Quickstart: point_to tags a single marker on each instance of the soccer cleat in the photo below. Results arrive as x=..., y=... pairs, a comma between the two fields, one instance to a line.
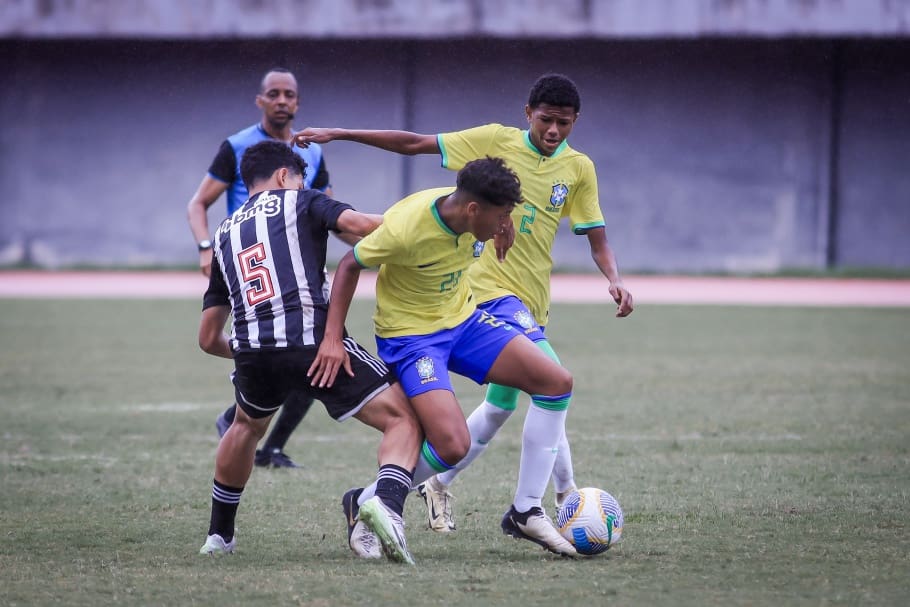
x=536, y=526
x=439, y=505
x=221, y=424
x=273, y=458
x=362, y=541
x=215, y=545
x=388, y=527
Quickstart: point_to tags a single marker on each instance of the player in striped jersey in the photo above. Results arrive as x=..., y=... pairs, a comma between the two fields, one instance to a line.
x=279, y=99
x=557, y=181
x=427, y=324
x=269, y=277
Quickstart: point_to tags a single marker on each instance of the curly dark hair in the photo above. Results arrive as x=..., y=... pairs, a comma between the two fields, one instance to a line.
x=556, y=90
x=491, y=180
x=264, y=158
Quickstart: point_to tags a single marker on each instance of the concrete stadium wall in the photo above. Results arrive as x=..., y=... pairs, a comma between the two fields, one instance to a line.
x=452, y=18
x=712, y=155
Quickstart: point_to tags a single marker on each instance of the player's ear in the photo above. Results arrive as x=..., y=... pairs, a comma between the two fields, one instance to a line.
x=528, y=110
x=259, y=101
x=281, y=176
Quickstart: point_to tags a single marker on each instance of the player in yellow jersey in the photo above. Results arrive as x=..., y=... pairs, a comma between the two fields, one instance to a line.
x=557, y=181
x=427, y=324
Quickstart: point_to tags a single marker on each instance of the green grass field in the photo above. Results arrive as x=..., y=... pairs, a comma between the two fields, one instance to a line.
x=761, y=455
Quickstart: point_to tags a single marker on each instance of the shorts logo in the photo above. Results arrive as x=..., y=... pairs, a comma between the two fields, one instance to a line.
x=523, y=318
x=558, y=196
x=478, y=248
x=425, y=370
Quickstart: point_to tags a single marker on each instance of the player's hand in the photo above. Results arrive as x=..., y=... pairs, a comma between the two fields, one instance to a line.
x=313, y=135
x=503, y=241
x=623, y=300
x=205, y=262
x=330, y=357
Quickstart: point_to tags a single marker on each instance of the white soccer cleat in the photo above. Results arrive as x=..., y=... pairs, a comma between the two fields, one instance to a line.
x=388, y=527
x=362, y=541
x=215, y=545
x=536, y=526
x=440, y=517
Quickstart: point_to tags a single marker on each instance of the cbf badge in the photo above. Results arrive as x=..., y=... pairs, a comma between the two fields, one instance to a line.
x=523, y=318
x=478, y=248
x=425, y=370
x=558, y=196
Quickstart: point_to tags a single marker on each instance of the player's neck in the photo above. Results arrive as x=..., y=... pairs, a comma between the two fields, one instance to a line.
x=284, y=133
x=451, y=212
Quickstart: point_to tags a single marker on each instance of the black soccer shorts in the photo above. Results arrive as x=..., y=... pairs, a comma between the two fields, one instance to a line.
x=265, y=378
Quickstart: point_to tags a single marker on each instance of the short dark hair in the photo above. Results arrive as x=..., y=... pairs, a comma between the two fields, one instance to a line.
x=556, y=90
x=261, y=160
x=491, y=180
x=276, y=70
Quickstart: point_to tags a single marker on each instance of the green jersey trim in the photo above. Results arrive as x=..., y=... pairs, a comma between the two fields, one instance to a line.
x=581, y=228
x=442, y=151
x=439, y=220
x=357, y=257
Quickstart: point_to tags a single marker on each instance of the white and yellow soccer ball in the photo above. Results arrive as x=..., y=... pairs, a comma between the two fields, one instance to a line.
x=591, y=520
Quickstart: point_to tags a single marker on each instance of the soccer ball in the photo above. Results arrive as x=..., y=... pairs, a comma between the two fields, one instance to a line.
x=591, y=520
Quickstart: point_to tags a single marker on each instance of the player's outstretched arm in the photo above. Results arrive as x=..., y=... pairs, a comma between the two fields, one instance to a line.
x=212, y=338
x=606, y=263
x=331, y=355
x=402, y=142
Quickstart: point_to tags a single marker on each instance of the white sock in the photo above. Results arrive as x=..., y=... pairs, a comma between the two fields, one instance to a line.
x=540, y=438
x=563, y=473
x=483, y=424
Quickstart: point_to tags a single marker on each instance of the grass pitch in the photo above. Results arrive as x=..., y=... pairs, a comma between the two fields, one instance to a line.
x=761, y=456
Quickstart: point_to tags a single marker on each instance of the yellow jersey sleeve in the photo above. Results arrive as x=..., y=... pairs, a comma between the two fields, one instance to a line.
x=382, y=245
x=583, y=208
x=461, y=147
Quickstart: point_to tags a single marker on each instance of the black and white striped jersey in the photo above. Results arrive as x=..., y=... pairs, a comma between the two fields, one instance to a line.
x=270, y=268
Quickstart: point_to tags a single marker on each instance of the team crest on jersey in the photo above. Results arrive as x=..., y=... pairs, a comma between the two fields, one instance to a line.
x=478, y=248
x=558, y=196
x=426, y=370
x=523, y=318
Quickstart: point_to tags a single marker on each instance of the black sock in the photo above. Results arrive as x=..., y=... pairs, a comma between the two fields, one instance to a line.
x=224, y=509
x=392, y=486
x=292, y=412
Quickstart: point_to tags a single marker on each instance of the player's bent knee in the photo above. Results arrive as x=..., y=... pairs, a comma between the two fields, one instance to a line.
x=452, y=448
x=564, y=381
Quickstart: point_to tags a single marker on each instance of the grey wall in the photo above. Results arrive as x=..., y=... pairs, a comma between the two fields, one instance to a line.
x=447, y=18
x=741, y=155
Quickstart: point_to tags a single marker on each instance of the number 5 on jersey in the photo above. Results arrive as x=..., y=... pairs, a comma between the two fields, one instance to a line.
x=255, y=274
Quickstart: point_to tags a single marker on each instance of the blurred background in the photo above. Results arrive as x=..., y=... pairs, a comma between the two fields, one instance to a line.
x=741, y=136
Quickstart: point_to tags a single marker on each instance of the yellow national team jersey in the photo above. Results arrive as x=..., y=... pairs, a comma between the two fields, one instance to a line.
x=422, y=285
x=561, y=185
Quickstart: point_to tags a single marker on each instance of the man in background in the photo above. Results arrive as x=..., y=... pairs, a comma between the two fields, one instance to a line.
x=278, y=99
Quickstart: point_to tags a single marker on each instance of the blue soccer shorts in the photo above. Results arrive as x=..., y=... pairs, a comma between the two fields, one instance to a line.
x=423, y=362
x=512, y=310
